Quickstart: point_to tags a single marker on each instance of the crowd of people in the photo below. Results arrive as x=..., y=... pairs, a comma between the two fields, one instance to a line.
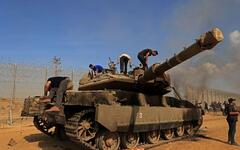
x=215, y=106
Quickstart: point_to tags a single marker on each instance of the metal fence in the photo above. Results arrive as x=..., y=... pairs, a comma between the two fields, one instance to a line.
x=20, y=81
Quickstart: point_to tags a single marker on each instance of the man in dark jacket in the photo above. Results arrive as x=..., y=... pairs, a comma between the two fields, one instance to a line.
x=232, y=118
x=143, y=56
x=57, y=86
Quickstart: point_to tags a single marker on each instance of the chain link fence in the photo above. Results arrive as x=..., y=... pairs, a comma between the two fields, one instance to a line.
x=18, y=81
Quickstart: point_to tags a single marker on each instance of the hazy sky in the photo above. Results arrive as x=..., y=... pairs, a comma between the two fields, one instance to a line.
x=90, y=31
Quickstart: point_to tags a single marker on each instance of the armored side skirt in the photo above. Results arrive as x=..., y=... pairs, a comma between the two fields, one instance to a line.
x=142, y=119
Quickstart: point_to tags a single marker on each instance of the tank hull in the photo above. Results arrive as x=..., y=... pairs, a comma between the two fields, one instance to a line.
x=142, y=119
x=91, y=111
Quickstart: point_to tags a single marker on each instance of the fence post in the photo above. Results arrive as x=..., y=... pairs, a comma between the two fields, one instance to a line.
x=13, y=94
x=46, y=74
x=72, y=74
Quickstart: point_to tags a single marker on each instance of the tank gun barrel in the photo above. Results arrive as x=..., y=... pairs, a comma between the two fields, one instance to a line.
x=206, y=42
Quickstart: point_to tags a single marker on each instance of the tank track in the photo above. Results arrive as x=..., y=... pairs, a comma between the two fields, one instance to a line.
x=71, y=127
x=42, y=125
x=147, y=146
x=162, y=142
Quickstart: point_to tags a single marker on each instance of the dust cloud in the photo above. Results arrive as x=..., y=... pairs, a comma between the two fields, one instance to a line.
x=213, y=73
x=217, y=68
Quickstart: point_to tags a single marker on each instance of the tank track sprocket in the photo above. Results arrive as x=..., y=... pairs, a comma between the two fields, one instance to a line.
x=71, y=127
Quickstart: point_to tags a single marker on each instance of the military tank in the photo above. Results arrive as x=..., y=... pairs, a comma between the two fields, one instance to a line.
x=116, y=111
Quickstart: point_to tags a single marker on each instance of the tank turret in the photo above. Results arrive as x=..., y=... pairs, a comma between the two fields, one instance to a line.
x=154, y=80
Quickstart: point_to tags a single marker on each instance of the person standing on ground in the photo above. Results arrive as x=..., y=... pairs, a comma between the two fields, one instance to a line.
x=143, y=56
x=206, y=106
x=57, y=86
x=124, y=59
x=232, y=118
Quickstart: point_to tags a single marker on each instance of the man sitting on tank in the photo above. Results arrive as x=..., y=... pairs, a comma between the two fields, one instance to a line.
x=57, y=86
x=143, y=56
x=95, y=71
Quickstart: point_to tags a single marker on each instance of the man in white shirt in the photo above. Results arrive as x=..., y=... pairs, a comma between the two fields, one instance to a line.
x=124, y=59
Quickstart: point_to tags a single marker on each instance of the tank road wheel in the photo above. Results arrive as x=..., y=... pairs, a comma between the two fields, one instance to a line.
x=168, y=134
x=189, y=129
x=153, y=137
x=130, y=140
x=179, y=131
x=108, y=140
x=86, y=127
x=82, y=128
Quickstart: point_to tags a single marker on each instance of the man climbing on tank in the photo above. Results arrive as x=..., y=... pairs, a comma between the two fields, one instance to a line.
x=124, y=59
x=57, y=86
x=95, y=70
x=143, y=56
x=232, y=118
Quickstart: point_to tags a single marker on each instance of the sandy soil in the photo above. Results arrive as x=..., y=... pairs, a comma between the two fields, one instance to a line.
x=4, y=109
x=212, y=136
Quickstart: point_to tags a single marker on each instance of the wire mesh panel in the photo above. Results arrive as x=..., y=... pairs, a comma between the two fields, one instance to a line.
x=6, y=80
x=20, y=81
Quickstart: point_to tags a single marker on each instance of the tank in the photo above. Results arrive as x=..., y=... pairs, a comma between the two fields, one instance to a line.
x=116, y=111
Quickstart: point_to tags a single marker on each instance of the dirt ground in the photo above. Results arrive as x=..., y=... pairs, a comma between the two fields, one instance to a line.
x=4, y=108
x=24, y=136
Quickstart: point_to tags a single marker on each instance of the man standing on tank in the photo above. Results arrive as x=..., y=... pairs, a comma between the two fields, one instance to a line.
x=124, y=59
x=57, y=86
x=232, y=118
x=143, y=56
